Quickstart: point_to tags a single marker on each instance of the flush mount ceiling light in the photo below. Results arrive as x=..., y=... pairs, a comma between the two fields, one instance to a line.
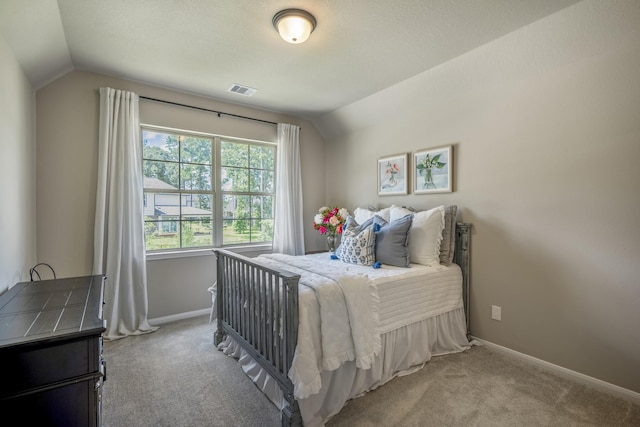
x=294, y=25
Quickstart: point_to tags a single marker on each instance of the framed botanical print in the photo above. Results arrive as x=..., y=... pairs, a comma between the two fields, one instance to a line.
x=393, y=175
x=433, y=170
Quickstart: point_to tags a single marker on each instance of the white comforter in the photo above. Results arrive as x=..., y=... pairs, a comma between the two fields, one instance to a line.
x=338, y=309
x=340, y=316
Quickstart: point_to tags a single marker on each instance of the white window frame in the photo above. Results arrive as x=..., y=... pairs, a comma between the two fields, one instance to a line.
x=216, y=194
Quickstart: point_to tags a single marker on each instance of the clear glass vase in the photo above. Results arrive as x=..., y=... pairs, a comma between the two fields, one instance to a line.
x=332, y=242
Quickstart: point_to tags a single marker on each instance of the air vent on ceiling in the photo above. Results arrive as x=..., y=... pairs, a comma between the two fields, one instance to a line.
x=242, y=90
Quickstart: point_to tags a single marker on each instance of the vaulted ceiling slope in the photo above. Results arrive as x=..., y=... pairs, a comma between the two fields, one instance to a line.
x=203, y=47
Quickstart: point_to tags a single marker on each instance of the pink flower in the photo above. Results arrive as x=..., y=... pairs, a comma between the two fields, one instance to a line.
x=330, y=220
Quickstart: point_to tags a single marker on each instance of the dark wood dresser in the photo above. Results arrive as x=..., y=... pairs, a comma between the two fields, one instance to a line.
x=51, y=352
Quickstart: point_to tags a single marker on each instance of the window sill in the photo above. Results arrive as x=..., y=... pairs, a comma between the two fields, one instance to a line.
x=154, y=256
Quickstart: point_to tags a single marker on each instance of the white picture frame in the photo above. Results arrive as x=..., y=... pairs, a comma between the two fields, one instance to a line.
x=393, y=175
x=433, y=170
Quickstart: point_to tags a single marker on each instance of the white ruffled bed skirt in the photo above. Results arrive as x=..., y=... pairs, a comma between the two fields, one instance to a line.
x=404, y=351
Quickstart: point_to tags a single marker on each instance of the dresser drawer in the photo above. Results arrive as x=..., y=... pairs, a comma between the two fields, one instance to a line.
x=69, y=405
x=43, y=364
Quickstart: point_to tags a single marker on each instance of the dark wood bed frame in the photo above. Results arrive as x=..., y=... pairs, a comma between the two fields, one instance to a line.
x=258, y=307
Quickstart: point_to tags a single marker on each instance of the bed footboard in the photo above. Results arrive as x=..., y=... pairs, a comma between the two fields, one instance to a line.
x=258, y=307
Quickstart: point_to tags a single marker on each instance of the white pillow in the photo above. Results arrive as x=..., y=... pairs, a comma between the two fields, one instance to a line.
x=385, y=214
x=397, y=212
x=425, y=236
x=361, y=215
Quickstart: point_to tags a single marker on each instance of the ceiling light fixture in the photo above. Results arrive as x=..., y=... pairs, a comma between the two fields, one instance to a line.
x=294, y=25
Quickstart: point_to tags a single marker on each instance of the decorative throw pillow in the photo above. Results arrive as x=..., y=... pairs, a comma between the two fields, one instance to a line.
x=448, y=244
x=358, y=247
x=377, y=219
x=392, y=242
x=352, y=224
x=425, y=236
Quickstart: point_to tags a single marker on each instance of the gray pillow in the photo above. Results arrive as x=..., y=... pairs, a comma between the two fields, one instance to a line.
x=448, y=244
x=392, y=242
x=352, y=224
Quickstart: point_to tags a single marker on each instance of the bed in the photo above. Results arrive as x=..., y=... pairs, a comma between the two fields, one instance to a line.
x=316, y=331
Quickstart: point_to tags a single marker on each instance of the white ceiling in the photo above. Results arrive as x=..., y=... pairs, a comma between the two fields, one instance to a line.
x=359, y=47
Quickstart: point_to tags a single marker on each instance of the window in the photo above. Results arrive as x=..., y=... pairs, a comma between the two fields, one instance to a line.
x=205, y=190
x=247, y=184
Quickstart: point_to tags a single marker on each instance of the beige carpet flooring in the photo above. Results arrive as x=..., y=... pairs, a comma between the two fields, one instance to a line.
x=175, y=377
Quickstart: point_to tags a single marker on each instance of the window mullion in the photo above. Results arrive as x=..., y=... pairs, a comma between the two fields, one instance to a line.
x=217, y=192
x=180, y=194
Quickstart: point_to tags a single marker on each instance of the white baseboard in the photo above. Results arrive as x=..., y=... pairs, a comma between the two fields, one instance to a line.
x=595, y=383
x=180, y=316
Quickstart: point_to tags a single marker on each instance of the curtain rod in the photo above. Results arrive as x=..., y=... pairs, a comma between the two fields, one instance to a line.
x=219, y=113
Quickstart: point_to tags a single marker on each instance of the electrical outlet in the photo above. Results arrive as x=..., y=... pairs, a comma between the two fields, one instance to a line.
x=496, y=312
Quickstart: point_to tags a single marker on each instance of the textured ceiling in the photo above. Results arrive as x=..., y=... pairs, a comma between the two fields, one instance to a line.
x=359, y=47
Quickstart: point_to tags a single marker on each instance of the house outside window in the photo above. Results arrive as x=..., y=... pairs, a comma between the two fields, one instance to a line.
x=204, y=191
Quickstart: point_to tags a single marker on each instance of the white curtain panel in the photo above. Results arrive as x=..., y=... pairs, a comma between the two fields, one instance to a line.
x=119, y=251
x=288, y=231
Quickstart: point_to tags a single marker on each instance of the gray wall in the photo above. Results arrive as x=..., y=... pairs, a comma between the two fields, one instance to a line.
x=17, y=172
x=67, y=129
x=546, y=128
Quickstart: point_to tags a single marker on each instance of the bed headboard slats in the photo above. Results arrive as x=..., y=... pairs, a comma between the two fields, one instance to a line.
x=462, y=257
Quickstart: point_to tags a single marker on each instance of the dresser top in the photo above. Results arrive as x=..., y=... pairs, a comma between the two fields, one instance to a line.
x=51, y=309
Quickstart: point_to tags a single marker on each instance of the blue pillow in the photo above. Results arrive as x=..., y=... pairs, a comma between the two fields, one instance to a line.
x=392, y=242
x=352, y=224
